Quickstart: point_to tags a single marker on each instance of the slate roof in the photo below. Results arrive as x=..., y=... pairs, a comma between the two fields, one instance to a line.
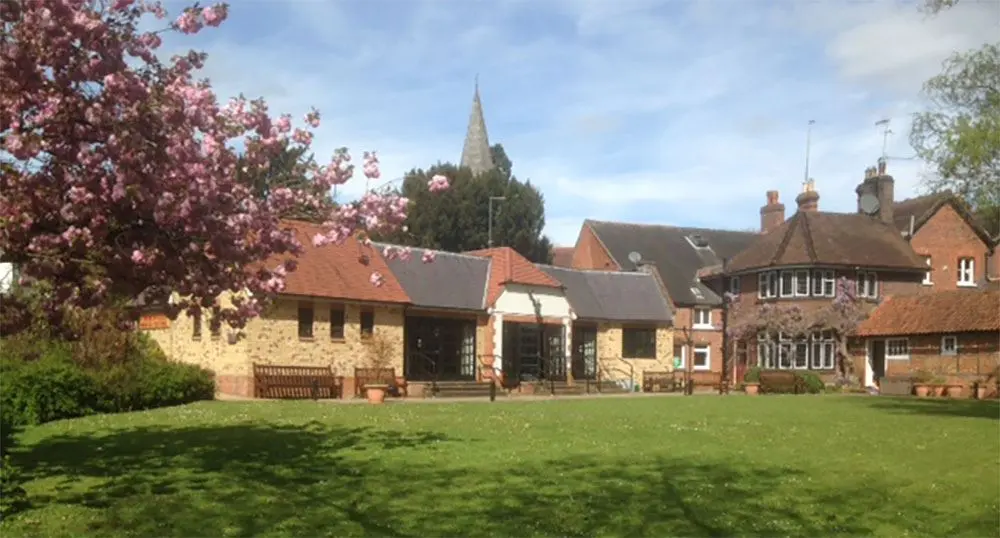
x=612, y=295
x=451, y=281
x=835, y=239
x=674, y=257
x=338, y=271
x=562, y=256
x=509, y=267
x=954, y=311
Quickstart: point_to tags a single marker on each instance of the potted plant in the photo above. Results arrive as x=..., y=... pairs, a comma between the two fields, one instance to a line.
x=921, y=380
x=751, y=381
x=954, y=390
x=936, y=386
x=379, y=352
x=979, y=388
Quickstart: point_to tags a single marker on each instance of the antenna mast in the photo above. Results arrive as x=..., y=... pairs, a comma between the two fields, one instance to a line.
x=886, y=131
x=808, y=145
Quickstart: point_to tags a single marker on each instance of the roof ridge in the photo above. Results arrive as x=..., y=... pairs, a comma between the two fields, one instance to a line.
x=603, y=271
x=669, y=226
x=810, y=245
x=436, y=251
x=779, y=252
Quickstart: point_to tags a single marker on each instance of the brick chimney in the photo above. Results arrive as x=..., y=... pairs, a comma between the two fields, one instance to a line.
x=880, y=184
x=772, y=214
x=808, y=199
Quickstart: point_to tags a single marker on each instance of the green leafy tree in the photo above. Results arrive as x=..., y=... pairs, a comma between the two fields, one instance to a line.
x=960, y=131
x=457, y=220
x=289, y=169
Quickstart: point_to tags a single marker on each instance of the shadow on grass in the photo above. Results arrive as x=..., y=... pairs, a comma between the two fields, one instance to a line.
x=935, y=406
x=318, y=480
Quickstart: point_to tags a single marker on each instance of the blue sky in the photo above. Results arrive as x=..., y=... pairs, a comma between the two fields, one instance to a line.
x=673, y=112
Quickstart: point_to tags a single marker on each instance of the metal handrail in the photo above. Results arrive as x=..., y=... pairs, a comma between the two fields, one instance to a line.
x=603, y=369
x=631, y=370
x=435, y=374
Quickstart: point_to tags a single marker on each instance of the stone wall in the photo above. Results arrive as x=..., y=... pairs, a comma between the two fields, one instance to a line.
x=609, y=350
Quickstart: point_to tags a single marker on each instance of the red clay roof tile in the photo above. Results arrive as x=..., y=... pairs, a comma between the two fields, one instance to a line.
x=953, y=311
x=509, y=267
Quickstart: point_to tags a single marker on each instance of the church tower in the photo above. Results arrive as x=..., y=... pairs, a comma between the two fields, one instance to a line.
x=476, y=151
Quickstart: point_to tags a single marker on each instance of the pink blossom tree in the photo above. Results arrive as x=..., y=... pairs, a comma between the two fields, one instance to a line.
x=120, y=169
x=841, y=315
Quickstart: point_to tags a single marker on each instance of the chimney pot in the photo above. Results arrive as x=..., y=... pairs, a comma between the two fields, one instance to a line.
x=772, y=214
x=808, y=199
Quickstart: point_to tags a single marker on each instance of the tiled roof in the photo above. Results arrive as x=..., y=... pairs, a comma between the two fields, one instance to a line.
x=452, y=280
x=954, y=311
x=668, y=248
x=612, y=295
x=837, y=239
x=339, y=271
x=920, y=209
x=562, y=256
x=509, y=267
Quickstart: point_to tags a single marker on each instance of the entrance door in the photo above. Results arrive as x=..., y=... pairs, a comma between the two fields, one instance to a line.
x=878, y=360
x=533, y=352
x=584, y=353
x=439, y=348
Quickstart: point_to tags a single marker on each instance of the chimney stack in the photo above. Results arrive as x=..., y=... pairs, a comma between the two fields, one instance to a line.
x=880, y=184
x=772, y=215
x=808, y=199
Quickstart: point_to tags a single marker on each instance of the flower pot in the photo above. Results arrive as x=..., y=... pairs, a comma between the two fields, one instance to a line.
x=751, y=388
x=922, y=391
x=527, y=388
x=376, y=393
x=954, y=391
x=980, y=392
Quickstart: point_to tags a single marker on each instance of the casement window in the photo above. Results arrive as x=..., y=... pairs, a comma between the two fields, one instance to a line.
x=928, y=281
x=638, y=343
x=815, y=352
x=966, y=272
x=196, y=326
x=784, y=351
x=802, y=283
x=949, y=345
x=367, y=323
x=337, y=322
x=787, y=283
x=702, y=318
x=680, y=353
x=702, y=358
x=897, y=348
x=767, y=285
x=305, y=320
x=215, y=327
x=734, y=285
x=829, y=284
x=867, y=284
x=822, y=351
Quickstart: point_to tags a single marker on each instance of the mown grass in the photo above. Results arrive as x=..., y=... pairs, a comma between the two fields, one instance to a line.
x=699, y=466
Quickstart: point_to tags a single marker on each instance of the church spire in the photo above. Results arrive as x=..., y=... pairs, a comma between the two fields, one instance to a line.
x=476, y=151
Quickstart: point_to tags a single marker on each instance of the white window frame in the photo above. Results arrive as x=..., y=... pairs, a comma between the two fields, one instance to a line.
x=697, y=323
x=790, y=292
x=867, y=283
x=708, y=358
x=804, y=343
x=929, y=274
x=967, y=271
x=734, y=285
x=816, y=287
x=889, y=342
x=954, y=346
x=829, y=283
x=801, y=276
x=684, y=349
x=767, y=285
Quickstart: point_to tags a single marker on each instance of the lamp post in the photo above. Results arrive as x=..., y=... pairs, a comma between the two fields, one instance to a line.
x=489, y=241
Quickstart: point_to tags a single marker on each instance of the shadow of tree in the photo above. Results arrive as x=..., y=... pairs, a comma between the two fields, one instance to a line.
x=989, y=409
x=320, y=480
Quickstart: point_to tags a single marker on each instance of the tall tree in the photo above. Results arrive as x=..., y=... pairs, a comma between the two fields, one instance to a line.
x=288, y=168
x=458, y=220
x=960, y=132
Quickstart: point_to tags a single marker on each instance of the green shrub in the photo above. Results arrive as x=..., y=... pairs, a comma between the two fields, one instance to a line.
x=13, y=498
x=152, y=382
x=50, y=388
x=752, y=375
x=813, y=383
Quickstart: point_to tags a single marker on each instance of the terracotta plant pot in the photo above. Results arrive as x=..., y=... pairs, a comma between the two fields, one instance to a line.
x=980, y=392
x=954, y=391
x=751, y=388
x=527, y=388
x=922, y=391
x=376, y=393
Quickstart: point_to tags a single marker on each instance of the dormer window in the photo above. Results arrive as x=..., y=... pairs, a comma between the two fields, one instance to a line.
x=697, y=241
x=697, y=292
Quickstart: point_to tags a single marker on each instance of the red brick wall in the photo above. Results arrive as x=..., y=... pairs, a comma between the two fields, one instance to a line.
x=977, y=359
x=682, y=328
x=889, y=284
x=946, y=237
x=590, y=254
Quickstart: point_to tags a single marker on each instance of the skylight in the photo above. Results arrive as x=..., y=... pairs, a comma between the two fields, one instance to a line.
x=697, y=293
x=697, y=241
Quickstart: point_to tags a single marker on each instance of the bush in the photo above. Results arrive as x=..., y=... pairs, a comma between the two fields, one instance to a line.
x=150, y=383
x=812, y=382
x=50, y=388
x=12, y=496
x=752, y=375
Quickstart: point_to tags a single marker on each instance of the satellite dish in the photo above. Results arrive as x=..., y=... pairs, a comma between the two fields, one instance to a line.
x=634, y=257
x=869, y=204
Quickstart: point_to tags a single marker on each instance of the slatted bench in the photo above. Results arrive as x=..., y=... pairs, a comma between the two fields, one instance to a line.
x=377, y=376
x=662, y=381
x=781, y=381
x=296, y=382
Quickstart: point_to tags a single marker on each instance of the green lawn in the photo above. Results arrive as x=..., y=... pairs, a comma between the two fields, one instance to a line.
x=701, y=466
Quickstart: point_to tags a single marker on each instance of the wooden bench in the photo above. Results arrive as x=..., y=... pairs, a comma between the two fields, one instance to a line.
x=296, y=382
x=377, y=376
x=781, y=381
x=662, y=381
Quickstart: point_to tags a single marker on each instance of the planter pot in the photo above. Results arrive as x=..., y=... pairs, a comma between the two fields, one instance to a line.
x=980, y=392
x=934, y=390
x=752, y=389
x=527, y=388
x=922, y=391
x=954, y=391
x=376, y=393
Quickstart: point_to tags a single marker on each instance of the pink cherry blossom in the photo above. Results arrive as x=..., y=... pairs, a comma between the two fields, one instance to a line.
x=428, y=256
x=377, y=279
x=437, y=183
